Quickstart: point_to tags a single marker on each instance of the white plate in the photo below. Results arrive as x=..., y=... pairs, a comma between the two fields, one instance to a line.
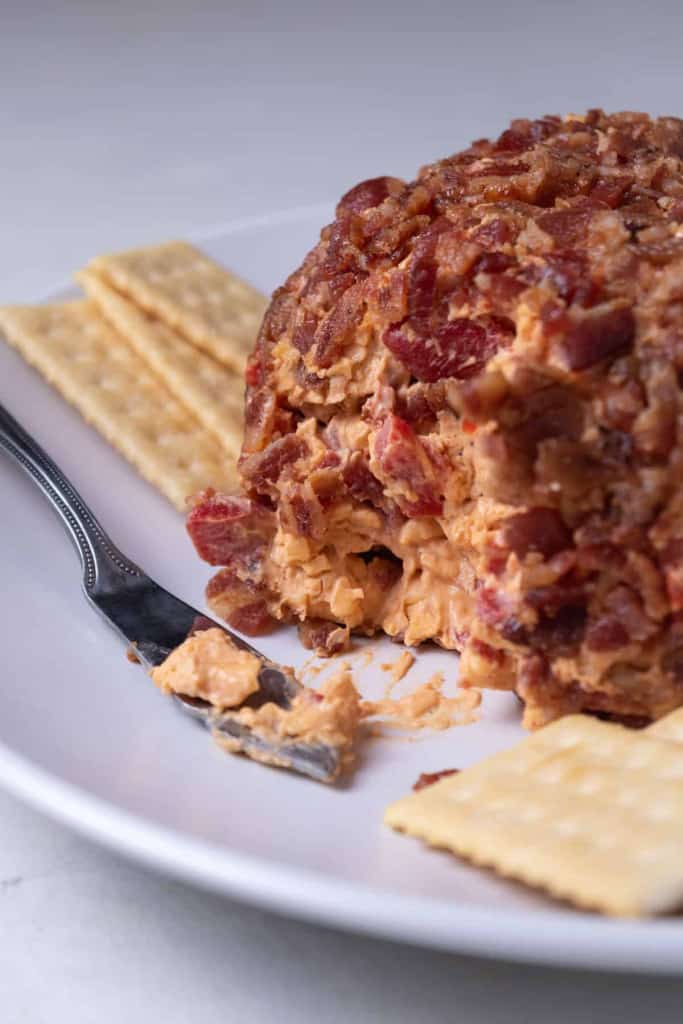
x=86, y=737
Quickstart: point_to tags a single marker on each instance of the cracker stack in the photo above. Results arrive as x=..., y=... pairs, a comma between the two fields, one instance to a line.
x=153, y=359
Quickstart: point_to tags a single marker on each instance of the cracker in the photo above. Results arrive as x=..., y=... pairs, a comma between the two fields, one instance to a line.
x=115, y=391
x=588, y=810
x=668, y=728
x=179, y=285
x=212, y=393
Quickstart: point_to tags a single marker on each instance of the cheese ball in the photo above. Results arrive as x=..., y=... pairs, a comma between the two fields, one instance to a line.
x=463, y=421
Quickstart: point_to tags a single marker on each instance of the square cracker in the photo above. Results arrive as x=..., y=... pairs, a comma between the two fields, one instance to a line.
x=588, y=810
x=202, y=301
x=116, y=392
x=212, y=393
x=670, y=727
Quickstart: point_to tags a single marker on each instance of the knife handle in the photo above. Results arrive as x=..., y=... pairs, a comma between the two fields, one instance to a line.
x=101, y=560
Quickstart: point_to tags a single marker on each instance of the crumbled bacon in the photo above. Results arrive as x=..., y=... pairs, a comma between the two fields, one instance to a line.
x=429, y=778
x=324, y=638
x=404, y=461
x=538, y=529
x=259, y=418
x=369, y=193
x=671, y=560
x=231, y=531
x=300, y=511
x=240, y=603
x=337, y=329
x=423, y=268
x=361, y=483
x=598, y=335
x=567, y=227
x=264, y=468
x=459, y=348
x=606, y=634
x=303, y=333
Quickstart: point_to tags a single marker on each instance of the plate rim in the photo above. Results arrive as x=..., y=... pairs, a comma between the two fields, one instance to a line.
x=569, y=938
x=556, y=936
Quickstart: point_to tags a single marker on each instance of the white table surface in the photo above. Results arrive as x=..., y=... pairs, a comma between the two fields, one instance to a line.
x=122, y=123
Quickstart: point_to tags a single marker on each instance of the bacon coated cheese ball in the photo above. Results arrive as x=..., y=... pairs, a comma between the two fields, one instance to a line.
x=463, y=421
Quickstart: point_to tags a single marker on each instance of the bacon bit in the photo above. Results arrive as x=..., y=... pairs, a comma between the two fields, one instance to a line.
x=469, y=426
x=403, y=459
x=624, y=617
x=231, y=531
x=303, y=334
x=611, y=190
x=420, y=403
x=240, y=603
x=300, y=511
x=368, y=194
x=323, y=637
x=266, y=467
x=278, y=316
x=488, y=653
x=387, y=296
x=566, y=227
x=494, y=232
x=423, y=266
x=538, y=529
x=360, y=482
x=599, y=336
x=459, y=348
x=671, y=561
x=336, y=331
x=330, y=460
x=429, y=778
x=551, y=412
x=569, y=275
x=259, y=417
x=607, y=634
x=492, y=263
x=562, y=632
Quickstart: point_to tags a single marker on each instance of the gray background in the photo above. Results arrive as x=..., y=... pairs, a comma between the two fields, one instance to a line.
x=126, y=122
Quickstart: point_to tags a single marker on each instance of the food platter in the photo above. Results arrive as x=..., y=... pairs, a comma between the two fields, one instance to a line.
x=85, y=737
